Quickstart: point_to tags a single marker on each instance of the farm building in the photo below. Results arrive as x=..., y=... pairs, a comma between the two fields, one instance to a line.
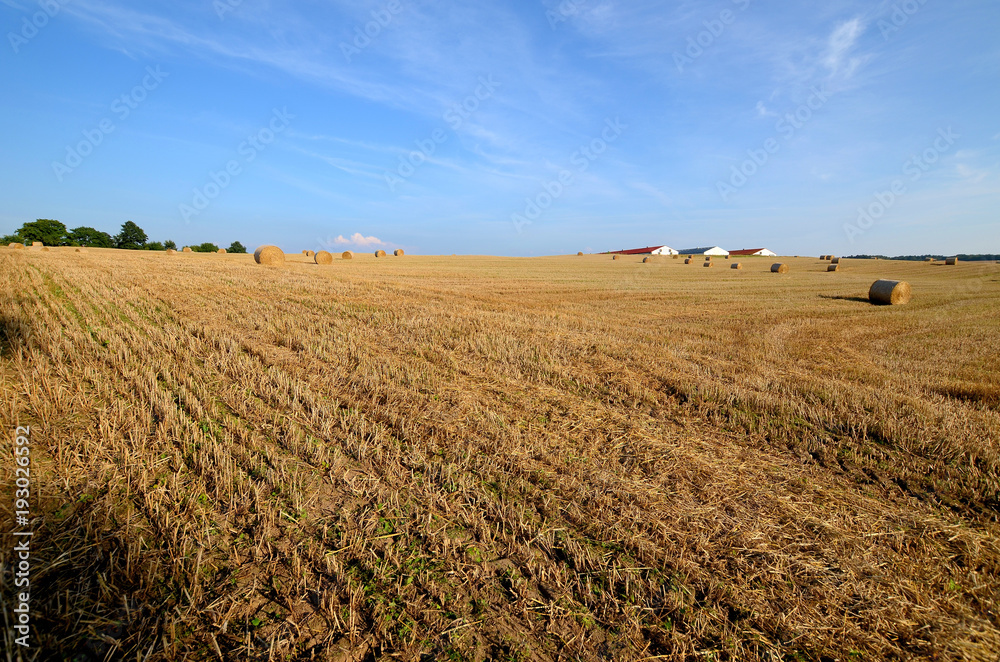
x=704, y=250
x=648, y=250
x=754, y=251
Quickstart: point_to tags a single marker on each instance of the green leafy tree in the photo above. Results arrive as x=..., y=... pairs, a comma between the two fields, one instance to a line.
x=131, y=237
x=205, y=248
x=45, y=230
x=155, y=246
x=169, y=243
x=86, y=236
x=236, y=247
x=11, y=239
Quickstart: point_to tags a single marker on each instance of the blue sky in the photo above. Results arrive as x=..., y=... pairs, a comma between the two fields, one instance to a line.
x=518, y=128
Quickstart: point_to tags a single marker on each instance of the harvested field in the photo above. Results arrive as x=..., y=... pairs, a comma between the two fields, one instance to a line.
x=473, y=458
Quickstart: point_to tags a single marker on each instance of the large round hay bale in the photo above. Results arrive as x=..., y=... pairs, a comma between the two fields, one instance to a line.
x=727, y=257
x=779, y=268
x=309, y=253
x=822, y=257
x=171, y=251
x=37, y=244
x=833, y=267
x=951, y=261
x=688, y=260
x=889, y=292
x=646, y=259
x=928, y=259
x=676, y=256
x=829, y=258
x=708, y=263
x=323, y=257
x=615, y=257
x=45, y=249
x=835, y=260
x=187, y=249
x=379, y=253
x=81, y=250
x=15, y=245
x=347, y=255
x=736, y=265
x=222, y=251
x=398, y=252
x=269, y=256
x=579, y=253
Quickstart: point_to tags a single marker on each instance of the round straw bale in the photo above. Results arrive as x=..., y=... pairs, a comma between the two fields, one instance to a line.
x=833, y=267
x=15, y=244
x=579, y=253
x=727, y=257
x=708, y=263
x=37, y=244
x=779, y=268
x=309, y=253
x=835, y=260
x=399, y=252
x=222, y=251
x=171, y=251
x=347, y=255
x=379, y=253
x=81, y=250
x=45, y=248
x=822, y=257
x=615, y=257
x=676, y=256
x=889, y=292
x=269, y=256
x=951, y=261
x=646, y=259
x=928, y=259
x=323, y=257
x=688, y=260
x=736, y=265
x=187, y=249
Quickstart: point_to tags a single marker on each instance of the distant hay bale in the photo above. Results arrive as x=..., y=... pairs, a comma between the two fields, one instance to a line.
x=379, y=253
x=951, y=261
x=688, y=260
x=15, y=245
x=835, y=260
x=304, y=251
x=928, y=259
x=833, y=267
x=171, y=251
x=676, y=256
x=889, y=292
x=727, y=257
x=347, y=255
x=779, y=268
x=399, y=252
x=222, y=251
x=269, y=256
x=822, y=257
x=615, y=257
x=646, y=259
x=579, y=253
x=309, y=253
x=187, y=249
x=736, y=265
x=708, y=263
x=323, y=257
x=37, y=244
x=81, y=250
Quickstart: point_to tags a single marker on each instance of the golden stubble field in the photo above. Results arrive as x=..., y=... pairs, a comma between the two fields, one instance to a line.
x=471, y=458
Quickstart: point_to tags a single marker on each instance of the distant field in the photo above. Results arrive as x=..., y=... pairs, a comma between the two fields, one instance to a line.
x=472, y=458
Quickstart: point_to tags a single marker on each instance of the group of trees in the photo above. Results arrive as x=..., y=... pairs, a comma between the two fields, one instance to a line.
x=54, y=233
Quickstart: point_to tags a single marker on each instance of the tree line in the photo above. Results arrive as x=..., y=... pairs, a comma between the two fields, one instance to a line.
x=131, y=237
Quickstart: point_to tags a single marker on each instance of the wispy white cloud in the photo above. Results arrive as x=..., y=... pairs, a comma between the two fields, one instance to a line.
x=358, y=239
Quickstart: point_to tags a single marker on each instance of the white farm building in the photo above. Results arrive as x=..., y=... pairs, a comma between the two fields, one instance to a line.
x=704, y=250
x=755, y=251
